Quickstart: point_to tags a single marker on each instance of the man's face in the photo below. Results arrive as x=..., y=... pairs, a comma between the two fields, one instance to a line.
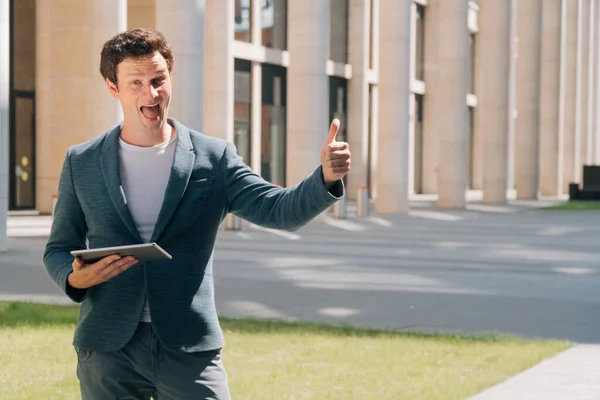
x=144, y=91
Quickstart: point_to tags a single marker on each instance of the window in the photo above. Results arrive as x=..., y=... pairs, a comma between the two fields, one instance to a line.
x=372, y=147
x=420, y=28
x=338, y=49
x=242, y=84
x=472, y=150
x=273, y=22
x=22, y=151
x=472, y=63
x=242, y=20
x=21, y=164
x=371, y=35
x=418, y=167
x=338, y=94
x=338, y=89
x=273, y=137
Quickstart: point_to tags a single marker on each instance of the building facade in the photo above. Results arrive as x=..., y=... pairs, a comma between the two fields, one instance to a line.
x=434, y=96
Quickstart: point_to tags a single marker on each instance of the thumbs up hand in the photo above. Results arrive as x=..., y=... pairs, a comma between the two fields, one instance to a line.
x=335, y=156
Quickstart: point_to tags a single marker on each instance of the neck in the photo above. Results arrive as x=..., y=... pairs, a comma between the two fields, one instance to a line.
x=147, y=138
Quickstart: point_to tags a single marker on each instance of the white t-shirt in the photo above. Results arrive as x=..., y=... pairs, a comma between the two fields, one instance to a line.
x=145, y=173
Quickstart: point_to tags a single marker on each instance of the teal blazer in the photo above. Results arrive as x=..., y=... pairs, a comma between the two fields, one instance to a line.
x=208, y=180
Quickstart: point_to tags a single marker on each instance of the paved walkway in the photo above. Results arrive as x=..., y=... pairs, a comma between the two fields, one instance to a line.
x=571, y=375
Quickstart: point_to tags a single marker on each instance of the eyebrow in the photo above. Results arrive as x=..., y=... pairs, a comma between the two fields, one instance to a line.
x=139, y=73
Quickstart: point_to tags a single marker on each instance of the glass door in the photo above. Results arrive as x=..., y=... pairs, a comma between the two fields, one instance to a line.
x=22, y=151
x=21, y=106
x=242, y=109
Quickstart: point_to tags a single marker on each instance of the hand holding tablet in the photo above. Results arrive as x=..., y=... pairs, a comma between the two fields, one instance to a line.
x=94, y=266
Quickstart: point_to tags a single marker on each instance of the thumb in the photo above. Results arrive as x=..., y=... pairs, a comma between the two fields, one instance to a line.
x=77, y=264
x=333, y=130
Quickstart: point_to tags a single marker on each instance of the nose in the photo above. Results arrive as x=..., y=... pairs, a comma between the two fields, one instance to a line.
x=153, y=92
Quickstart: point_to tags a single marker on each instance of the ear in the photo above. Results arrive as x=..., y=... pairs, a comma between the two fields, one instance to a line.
x=112, y=88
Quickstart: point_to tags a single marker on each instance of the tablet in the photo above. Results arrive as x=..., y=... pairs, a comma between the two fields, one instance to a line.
x=143, y=252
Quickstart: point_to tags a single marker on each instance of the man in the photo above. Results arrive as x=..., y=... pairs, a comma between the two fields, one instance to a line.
x=151, y=329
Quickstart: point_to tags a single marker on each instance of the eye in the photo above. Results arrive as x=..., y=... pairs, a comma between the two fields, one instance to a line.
x=136, y=83
x=158, y=81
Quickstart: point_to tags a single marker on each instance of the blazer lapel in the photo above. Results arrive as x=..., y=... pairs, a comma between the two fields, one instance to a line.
x=183, y=165
x=109, y=162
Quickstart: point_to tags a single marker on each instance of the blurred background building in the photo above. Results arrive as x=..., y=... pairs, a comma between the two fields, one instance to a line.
x=437, y=97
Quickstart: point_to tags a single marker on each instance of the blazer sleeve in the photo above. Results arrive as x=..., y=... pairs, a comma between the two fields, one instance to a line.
x=262, y=203
x=68, y=233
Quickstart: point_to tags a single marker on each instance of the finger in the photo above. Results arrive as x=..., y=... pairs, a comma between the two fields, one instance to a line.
x=106, y=261
x=338, y=146
x=337, y=158
x=333, y=130
x=117, y=268
x=339, y=163
x=341, y=171
x=125, y=267
x=115, y=264
x=342, y=150
x=338, y=155
x=77, y=264
x=109, y=274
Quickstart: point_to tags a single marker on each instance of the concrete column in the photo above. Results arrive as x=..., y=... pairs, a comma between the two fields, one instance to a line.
x=72, y=101
x=394, y=95
x=452, y=112
x=528, y=99
x=308, y=87
x=359, y=14
x=571, y=108
x=218, y=69
x=256, y=118
x=374, y=105
x=584, y=87
x=278, y=115
x=592, y=82
x=182, y=22
x=374, y=101
x=141, y=14
x=580, y=116
x=4, y=90
x=475, y=174
x=431, y=74
x=256, y=90
x=512, y=98
x=595, y=147
x=493, y=98
x=412, y=117
x=550, y=85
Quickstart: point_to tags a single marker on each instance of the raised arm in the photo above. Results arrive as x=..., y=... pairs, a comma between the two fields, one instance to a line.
x=252, y=198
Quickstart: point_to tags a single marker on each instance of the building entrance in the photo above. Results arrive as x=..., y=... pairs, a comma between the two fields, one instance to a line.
x=22, y=177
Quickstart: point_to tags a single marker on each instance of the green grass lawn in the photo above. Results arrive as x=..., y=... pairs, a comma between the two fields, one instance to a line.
x=270, y=360
x=575, y=205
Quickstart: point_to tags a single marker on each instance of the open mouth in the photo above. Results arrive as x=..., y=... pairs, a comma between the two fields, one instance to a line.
x=151, y=111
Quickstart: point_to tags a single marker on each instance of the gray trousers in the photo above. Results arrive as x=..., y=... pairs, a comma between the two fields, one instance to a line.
x=145, y=369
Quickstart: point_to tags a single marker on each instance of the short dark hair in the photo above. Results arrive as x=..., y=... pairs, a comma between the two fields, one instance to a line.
x=135, y=43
